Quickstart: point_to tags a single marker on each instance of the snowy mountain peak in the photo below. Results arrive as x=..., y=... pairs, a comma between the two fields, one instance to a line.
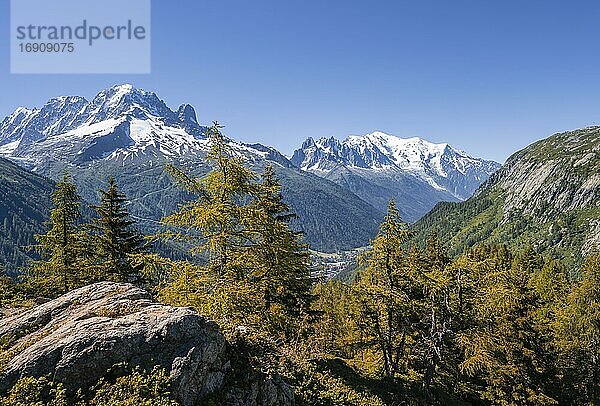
x=119, y=122
x=396, y=144
x=309, y=142
x=116, y=93
x=439, y=165
x=17, y=116
x=126, y=99
x=124, y=88
x=64, y=103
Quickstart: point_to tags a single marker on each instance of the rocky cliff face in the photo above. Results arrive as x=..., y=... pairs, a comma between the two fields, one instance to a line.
x=77, y=337
x=555, y=175
x=546, y=196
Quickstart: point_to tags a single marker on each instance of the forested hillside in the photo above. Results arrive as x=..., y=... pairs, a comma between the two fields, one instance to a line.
x=24, y=206
x=546, y=196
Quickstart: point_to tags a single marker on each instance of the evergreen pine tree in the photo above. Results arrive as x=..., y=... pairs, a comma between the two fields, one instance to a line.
x=115, y=237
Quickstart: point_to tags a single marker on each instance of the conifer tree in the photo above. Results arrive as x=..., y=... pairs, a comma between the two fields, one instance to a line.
x=390, y=293
x=214, y=222
x=64, y=263
x=8, y=287
x=279, y=260
x=438, y=283
x=506, y=346
x=214, y=227
x=578, y=335
x=336, y=330
x=115, y=238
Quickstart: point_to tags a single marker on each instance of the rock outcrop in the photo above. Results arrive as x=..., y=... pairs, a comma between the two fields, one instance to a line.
x=77, y=337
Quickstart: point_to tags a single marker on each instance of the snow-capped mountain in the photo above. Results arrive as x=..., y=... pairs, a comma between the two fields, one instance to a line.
x=339, y=189
x=122, y=124
x=396, y=167
x=130, y=134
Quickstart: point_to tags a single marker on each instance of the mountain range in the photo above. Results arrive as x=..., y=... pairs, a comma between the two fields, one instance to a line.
x=546, y=196
x=379, y=166
x=339, y=189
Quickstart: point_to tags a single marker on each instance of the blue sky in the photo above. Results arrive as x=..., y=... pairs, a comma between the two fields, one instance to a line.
x=488, y=77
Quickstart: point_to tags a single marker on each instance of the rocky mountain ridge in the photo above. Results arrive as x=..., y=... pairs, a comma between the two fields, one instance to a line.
x=546, y=196
x=379, y=166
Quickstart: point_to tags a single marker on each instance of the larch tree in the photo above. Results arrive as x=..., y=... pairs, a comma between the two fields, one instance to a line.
x=390, y=292
x=505, y=345
x=336, y=331
x=439, y=282
x=578, y=334
x=215, y=220
x=213, y=227
x=63, y=249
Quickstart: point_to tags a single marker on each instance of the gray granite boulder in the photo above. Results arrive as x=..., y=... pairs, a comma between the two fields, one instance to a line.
x=77, y=337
